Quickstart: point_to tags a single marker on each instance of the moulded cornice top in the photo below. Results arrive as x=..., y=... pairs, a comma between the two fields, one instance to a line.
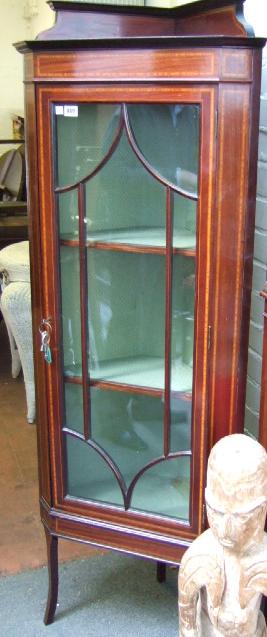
x=88, y=20
x=214, y=23
x=195, y=6
x=168, y=42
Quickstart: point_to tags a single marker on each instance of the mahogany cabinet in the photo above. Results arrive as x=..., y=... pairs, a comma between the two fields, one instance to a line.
x=142, y=129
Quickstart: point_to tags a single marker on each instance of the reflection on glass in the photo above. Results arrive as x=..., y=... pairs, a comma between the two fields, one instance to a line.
x=68, y=215
x=126, y=298
x=83, y=139
x=164, y=489
x=88, y=475
x=73, y=407
x=124, y=203
x=168, y=137
x=70, y=309
x=129, y=427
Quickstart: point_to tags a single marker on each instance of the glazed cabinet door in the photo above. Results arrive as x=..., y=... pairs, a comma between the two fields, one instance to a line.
x=126, y=207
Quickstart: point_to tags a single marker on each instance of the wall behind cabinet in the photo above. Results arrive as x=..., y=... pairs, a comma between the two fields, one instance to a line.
x=11, y=67
x=259, y=271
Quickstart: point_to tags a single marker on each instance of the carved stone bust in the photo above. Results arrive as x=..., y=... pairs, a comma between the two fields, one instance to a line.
x=224, y=572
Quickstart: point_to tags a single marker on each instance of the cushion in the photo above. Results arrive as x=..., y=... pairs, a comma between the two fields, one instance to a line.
x=15, y=260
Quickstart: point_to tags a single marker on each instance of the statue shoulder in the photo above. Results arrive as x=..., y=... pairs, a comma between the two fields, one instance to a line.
x=202, y=566
x=203, y=546
x=254, y=573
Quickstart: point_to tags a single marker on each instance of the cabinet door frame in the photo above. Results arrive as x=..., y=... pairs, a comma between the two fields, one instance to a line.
x=206, y=97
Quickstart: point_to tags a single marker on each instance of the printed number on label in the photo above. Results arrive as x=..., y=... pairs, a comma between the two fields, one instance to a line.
x=71, y=110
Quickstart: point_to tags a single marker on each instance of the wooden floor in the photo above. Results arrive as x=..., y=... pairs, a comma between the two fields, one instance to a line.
x=22, y=544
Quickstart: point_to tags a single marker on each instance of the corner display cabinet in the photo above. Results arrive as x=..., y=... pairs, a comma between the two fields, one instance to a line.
x=142, y=128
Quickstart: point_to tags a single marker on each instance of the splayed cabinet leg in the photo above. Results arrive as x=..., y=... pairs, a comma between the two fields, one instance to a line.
x=52, y=556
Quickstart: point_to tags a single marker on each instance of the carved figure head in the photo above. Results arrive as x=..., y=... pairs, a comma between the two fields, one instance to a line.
x=236, y=493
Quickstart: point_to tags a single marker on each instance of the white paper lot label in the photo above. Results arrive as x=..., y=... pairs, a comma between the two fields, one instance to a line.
x=70, y=110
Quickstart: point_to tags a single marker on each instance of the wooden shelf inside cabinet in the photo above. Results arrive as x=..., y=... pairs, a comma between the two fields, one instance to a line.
x=144, y=374
x=140, y=240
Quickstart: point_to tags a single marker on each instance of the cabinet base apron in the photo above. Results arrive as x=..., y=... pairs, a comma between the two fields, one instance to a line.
x=147, y=545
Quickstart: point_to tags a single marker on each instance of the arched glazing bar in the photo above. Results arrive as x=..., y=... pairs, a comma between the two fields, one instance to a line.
x=127, y=493
x=106, y=457
x=155, y=173
x=149, y=465
x=124, y=123
x=101, y=164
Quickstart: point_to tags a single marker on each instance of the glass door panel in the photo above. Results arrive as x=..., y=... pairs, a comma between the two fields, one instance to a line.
x=70, y=310
x=83, y=131
x=88, y=475
x=168, y=137
x=165, y=489
x=123, y=203
x=184, y=224
x=73, y=404
x=180, y=430
x=127, y=207
x=182, y=351
x=182, y=320
x=68, y=213
x=126, y=317
x=129, y=427
x=127, y=432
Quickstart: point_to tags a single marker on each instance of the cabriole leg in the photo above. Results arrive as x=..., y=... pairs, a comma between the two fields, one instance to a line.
x=52, y=558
